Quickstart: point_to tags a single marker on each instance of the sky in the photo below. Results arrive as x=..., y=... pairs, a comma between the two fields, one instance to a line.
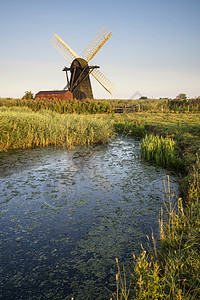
x=154, y=48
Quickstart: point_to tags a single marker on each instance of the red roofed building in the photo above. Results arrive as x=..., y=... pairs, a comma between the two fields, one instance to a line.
x=61, y=95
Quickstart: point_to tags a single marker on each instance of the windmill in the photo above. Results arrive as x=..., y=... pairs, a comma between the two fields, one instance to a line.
x=79, y=83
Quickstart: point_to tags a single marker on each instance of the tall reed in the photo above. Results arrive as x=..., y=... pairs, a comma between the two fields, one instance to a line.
x=160, y=150
x=23, y=128
x=179, y=256
x=87, y=106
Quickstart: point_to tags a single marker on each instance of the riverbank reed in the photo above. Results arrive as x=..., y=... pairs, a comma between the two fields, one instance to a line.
x=145, y=281
x=179, y=255
x=160, y=150
x=23, y=128
x=171, y=271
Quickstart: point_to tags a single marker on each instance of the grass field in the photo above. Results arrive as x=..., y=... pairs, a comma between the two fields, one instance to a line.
x=170, y=139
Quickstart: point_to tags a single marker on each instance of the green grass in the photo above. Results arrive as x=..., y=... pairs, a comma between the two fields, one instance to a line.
x=179, y=256
x=161, y=150
x=23, y=128
x=183, y=128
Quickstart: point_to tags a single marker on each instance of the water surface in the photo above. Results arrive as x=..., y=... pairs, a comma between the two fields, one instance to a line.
x=66, y=216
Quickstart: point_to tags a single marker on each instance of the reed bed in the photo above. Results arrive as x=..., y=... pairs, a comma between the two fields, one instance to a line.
x=93, y=106
x=160, y=150
x=70, y=106
x=23, y=128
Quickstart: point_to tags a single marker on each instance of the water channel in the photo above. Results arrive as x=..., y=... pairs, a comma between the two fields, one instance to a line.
x=66, y=216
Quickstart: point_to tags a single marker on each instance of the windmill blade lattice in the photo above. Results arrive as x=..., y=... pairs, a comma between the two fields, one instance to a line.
x=63, y=48
x=105, y=82
x=95, y=45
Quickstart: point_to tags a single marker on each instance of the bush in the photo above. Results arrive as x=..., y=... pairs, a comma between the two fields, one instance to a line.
x=28, y=95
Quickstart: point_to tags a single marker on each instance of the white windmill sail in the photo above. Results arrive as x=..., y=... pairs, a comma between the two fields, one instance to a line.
x=63, y=48
x=102, y=36
x=104, y=81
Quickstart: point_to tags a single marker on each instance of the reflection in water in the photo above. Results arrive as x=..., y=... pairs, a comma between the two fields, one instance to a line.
x=66, y=216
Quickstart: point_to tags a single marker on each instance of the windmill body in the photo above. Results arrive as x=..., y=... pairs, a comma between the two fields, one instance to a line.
x=79, y=83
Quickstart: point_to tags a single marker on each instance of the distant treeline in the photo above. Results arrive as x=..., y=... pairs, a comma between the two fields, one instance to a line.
x=94, y=106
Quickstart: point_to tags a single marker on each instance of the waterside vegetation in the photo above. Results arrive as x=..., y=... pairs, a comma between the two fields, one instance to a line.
x=171, y=271
x=170, y=139
x=23, y=128
x=162, y=150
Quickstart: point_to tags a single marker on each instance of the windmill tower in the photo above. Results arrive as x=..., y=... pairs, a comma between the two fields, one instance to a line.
x=79, y=83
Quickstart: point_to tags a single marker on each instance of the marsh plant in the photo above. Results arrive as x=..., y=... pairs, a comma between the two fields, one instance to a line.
x=179, y=256
x=70, y=106
x=172, y=271
x=145, y=281
x=161, y=150
x=23, y=128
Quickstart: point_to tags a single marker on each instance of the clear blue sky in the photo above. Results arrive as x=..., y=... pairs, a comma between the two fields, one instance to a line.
x=154, y=47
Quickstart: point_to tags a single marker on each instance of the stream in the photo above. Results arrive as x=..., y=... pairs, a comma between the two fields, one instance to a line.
x=66, y=216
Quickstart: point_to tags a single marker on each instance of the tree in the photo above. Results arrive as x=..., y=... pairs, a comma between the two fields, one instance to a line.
x=181, y=97
x=28, y=95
